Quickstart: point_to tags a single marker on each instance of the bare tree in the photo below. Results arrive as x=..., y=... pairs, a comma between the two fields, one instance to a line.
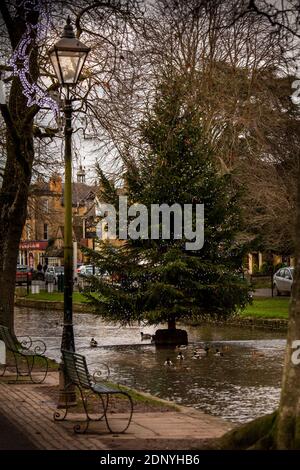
x=243, y=101
x=280, y=430
x=238, y=57
x=22, y=115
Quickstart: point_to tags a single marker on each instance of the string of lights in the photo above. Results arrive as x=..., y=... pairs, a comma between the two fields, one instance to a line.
x=20, y=60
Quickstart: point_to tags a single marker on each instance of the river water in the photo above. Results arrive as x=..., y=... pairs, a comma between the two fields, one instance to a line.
x=241, y=385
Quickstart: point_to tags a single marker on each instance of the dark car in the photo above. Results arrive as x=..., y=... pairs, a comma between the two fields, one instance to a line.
x=23, y=274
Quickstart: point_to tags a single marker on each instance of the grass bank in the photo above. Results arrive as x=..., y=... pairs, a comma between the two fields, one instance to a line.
x=276, y=307
x=57, y=297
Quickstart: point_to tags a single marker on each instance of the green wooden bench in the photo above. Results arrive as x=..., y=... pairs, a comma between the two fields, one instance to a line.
x=78, y=374
x=26, y=354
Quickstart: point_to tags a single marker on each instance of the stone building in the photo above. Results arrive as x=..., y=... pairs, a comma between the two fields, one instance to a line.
x=43, y=233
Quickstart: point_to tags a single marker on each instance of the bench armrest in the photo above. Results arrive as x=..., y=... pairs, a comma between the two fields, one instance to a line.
x=25, y=342
x=102, y=372
x=37, y=345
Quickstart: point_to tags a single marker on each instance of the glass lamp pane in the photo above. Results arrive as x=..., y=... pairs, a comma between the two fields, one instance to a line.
x=70, y=64
x=54, y=61
x=81, y=61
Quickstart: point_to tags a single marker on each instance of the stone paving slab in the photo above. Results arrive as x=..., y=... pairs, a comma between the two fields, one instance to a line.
x=31, y=412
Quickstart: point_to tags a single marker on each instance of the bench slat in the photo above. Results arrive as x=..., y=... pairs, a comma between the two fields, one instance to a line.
x=76, y=369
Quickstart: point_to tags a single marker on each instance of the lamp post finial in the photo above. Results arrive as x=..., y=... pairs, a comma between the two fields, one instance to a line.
x=68, y=31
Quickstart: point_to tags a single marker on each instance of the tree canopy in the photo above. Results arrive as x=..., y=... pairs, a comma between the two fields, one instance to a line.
x=161, y=279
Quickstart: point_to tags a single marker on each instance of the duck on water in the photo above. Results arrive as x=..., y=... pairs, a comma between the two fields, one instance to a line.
x=93, y=343
x=147, y=336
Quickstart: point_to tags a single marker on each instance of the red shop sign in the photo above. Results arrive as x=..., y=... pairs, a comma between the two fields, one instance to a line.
x=33, y=245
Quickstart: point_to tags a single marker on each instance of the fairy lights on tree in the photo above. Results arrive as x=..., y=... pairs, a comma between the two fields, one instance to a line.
x=20, y=60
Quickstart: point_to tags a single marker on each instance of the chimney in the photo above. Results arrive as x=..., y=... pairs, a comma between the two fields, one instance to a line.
x=55, y=183
x=81, y=175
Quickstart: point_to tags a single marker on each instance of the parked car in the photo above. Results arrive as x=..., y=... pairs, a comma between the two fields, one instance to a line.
x=52, y=273
x=88, y=270
x=283, y=281
x=23, y=273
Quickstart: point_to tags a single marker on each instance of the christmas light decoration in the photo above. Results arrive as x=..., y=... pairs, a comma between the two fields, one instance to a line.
x=2, y=91
x=20, y=59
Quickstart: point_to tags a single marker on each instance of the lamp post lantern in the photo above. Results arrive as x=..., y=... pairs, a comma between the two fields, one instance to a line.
x=68, y=56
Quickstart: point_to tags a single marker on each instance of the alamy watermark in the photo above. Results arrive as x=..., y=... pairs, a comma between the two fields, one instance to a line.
x=296, y=354
x=161, y=221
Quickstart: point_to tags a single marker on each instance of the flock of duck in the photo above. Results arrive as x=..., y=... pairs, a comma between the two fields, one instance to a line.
x=197, y=354
x=94, y=343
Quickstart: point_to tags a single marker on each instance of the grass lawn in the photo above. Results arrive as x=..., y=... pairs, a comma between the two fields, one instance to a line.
x=260, y=308
x=57, y=296
x=276, y=307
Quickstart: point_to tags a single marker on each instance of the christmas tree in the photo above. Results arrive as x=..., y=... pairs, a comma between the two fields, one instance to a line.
x=160, y=280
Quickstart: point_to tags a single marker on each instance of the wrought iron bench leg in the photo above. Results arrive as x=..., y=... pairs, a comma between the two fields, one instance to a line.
x=16, y=366
x=60, y=414
x=30, y=370
x=19, y=372
x=104, y=406
x=81, y=428
x=4, y=369
x=113, y=431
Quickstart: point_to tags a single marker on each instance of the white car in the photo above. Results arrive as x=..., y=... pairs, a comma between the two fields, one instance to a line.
x=88, y=270
x=283, y=281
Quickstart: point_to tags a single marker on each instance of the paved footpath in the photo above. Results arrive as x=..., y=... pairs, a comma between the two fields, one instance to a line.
x=11, y=438
x=266, y=292
x=26, y=410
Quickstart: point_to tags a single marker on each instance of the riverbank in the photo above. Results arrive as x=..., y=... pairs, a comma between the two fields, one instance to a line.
x=43, y=301
x=275, y=324
x=269, y=313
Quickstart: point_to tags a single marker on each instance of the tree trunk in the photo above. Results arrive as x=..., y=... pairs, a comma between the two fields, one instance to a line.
x=288, y=423
x=171, y=323
x=18, y=118
x=13, y=209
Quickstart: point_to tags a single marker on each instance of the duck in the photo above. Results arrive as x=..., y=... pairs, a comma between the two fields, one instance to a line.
x=202, y=351
x=218, y=353
x=180, y=356
x=196, y=355
x=168, y=362
x=93, y=343
x=146, y=336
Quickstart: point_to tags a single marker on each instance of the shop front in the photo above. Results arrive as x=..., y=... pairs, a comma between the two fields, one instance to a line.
x=32, y=253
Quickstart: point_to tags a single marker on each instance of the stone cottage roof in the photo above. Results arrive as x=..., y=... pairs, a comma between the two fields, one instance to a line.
x=82, y=194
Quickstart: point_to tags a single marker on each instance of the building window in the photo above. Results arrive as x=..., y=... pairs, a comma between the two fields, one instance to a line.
x=45, y=231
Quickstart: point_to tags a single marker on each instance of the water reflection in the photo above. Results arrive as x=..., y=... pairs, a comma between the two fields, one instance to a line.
x=239, y=386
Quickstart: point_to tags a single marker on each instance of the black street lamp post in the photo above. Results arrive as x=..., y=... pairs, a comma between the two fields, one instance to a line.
x=68, y=56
